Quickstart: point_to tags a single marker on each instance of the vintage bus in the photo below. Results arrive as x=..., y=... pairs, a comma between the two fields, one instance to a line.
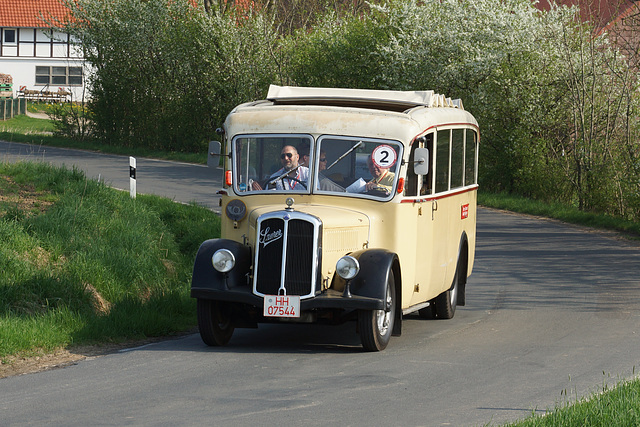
x=340, y=205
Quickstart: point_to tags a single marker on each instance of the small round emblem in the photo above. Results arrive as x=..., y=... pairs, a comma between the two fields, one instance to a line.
x=236, y=210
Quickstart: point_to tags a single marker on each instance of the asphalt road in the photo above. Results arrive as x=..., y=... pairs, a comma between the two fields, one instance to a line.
x=553, y=313
x=182, y=182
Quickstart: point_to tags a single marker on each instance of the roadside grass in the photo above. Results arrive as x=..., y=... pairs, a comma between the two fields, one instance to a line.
x=613, y=407
x=25, y=127
x=31, y=130
x=84, y=264
x=568, y=214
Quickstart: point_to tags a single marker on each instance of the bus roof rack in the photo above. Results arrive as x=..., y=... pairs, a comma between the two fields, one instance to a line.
x=367, y=98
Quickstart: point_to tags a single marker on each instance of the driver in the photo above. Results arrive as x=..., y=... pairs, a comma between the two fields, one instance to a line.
x=382, y=178
x=299, y=175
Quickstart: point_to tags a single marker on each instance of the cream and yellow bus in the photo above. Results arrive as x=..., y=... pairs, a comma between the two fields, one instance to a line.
x=340, y=205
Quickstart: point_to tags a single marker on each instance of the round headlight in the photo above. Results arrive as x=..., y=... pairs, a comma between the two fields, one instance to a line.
x=223, y=260
x=347, y=267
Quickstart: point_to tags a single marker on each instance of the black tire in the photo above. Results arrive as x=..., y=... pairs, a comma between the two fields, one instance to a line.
x=376, y=326
x=214, y=322
x=447, y=301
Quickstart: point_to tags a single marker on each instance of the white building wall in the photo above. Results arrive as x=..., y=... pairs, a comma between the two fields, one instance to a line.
x=35, y=48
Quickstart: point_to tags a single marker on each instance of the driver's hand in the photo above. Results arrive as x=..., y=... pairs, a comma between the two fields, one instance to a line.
x=256, y=186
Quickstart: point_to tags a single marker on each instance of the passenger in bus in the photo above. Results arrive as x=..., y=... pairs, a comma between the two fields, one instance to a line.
x=324, y=182
x=297, y=178
x=303, y=151
x=382, y=177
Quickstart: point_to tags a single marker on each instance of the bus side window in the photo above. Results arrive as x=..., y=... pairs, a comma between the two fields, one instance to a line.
x=426, y=187
x=471, y=142
x=457, y=158
x=443, y=152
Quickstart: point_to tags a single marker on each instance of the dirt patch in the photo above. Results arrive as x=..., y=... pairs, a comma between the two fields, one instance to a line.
x=25, y=365
x=23, y=198
x=60, y=358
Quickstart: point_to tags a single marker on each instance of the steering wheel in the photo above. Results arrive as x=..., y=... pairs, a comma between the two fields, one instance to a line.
x=265, y=184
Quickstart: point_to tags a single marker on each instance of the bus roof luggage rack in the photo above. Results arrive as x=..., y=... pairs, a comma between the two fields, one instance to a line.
x=393, y=100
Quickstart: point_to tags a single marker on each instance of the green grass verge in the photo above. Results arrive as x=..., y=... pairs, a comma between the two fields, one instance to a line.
x=30, y=130
x=619, y=406
x=558, y=211
x=25, y=127
x=83, y=263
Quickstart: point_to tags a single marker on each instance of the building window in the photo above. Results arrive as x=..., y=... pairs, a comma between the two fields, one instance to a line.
x=59, y=76
x=75, y=76
x=9, y=36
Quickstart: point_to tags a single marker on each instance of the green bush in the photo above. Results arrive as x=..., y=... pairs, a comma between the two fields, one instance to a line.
x=165, y=74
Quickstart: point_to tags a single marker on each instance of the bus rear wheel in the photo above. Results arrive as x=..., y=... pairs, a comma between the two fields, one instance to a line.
x=376, y=326
x=214, y=322
x=447, y=301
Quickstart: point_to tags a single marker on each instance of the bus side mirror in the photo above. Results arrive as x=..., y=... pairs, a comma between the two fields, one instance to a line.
x=421, y=161
x=213, y=159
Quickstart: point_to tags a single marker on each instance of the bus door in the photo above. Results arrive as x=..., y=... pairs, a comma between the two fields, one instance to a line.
x=431, y=230
x=449, y=219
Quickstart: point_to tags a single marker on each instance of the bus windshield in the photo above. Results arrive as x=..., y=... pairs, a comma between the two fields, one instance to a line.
x=347, y=166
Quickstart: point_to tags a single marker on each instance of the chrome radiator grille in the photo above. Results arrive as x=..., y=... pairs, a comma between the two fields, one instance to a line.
x=286, y=256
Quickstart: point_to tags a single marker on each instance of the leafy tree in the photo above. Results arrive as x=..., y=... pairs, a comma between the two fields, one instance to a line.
x=166, y=73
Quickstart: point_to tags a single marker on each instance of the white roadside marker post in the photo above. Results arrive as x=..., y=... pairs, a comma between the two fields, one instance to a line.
x=132, y=177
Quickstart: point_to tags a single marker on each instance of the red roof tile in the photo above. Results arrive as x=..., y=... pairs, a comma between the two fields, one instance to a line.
x=29, y=13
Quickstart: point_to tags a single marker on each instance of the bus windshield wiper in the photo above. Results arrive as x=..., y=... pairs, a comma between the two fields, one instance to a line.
x=345, y=154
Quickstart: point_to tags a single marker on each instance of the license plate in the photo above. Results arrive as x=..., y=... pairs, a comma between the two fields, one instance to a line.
x=281, y=306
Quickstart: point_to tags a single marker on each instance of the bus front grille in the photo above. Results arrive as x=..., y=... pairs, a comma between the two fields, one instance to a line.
x=286, y=259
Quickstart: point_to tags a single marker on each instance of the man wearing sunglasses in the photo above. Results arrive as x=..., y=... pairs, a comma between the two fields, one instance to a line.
x=296, y=179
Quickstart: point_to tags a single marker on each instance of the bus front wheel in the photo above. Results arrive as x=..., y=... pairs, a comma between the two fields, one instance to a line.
x=214, y=322
x=376, y=326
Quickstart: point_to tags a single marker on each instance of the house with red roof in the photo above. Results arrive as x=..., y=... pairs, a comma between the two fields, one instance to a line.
x=39, y=59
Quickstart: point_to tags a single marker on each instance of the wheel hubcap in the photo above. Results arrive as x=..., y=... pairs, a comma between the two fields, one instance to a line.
x=383, y=317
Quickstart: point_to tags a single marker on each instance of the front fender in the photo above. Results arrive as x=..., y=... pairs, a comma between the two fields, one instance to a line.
x=371, y=280
x=205, y=277
x=375, y=265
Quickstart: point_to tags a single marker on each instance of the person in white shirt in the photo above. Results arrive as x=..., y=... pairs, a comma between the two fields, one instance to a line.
x=296, y=179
